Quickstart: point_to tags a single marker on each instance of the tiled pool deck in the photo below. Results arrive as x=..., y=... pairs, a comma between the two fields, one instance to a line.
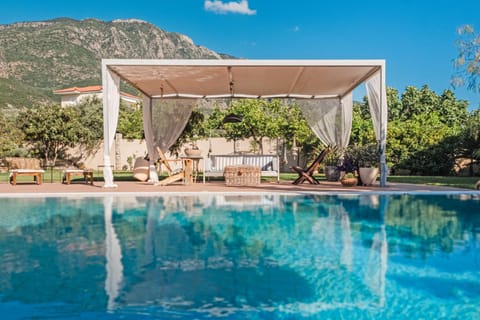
x=217, y=187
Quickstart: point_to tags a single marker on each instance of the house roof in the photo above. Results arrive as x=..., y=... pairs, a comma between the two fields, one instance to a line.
x=90, y=89
x=244, y=78
x=74, y=90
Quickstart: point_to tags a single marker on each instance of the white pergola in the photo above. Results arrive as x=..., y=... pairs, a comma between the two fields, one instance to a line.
x=260, y=79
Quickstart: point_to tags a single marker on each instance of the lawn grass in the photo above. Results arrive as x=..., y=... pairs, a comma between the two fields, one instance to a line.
x=447, y=181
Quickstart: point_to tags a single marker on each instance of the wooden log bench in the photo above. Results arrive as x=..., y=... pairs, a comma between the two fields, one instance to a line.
x=24, y=167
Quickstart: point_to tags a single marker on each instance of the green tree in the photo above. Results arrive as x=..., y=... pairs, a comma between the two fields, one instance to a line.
x=130, y=122
x=258, y=121
x=196, y=128
x=362, y=126
x=453, y=112
x=410, y=100
x=415, y=101
x=419, y=144
x=470, y=139
x=294, y=128
x=394, y=104
x=11, y=138
x=275, y=118
x=423, y=126
x=90, y=114
x=467, y=62
x=50, y=130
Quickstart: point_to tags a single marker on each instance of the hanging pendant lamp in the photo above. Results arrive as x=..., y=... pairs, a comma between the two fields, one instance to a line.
x=232, y=118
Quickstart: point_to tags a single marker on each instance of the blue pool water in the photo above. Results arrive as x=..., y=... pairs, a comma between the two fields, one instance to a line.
x=248, y=256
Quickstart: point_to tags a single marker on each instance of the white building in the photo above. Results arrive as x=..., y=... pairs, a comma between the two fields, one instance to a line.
x=75, y=95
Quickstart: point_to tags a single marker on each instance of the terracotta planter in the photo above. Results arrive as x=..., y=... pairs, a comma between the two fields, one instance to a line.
x=368, y=175
x=349, y=182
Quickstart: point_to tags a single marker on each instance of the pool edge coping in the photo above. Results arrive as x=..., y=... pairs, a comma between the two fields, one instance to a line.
x=249, y=193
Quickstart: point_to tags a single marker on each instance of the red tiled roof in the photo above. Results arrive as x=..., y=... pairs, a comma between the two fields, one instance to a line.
x=79, y=90
x=90, y=89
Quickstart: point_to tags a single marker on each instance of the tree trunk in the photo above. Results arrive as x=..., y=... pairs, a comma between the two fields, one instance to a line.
x=470, y=167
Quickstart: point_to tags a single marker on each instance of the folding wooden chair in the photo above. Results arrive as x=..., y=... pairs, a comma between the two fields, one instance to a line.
x=307, y=174
x=184, y=173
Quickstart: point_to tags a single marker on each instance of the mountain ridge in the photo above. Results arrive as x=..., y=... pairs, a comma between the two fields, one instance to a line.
x=37, y=57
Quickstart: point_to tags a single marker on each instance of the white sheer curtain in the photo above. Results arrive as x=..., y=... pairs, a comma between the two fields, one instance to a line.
x=330, y=119
x=377, y=101
x=111, y=103
x=148, y=131
x=169, y=118
x=374, y=102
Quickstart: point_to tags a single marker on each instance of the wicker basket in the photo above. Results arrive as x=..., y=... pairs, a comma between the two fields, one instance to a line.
x=242, y=175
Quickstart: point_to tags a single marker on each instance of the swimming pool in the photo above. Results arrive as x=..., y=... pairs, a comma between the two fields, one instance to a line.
x=248, y=256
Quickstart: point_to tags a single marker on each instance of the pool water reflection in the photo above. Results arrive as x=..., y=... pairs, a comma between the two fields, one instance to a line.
x=241, y=256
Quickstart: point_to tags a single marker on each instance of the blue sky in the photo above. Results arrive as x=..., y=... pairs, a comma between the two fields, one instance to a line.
x=415, y=37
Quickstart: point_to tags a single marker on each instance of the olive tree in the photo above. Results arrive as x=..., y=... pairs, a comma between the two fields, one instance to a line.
x=467, y=62
x=263, y=119
x=11, y=137
x=50, y=130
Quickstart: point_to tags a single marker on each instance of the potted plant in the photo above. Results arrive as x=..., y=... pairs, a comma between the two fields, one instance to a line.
x=348, y=169
x=368, y=156
x=349, y=180
x=332, y=162
x=192, y=150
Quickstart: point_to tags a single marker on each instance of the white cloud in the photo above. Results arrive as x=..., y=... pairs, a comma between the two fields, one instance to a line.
x=218, y=6
x=296, y=29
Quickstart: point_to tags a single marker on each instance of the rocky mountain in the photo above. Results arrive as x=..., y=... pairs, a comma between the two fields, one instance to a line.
x=39, y=57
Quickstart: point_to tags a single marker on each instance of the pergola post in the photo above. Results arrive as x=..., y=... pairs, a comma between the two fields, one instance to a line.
x=383, y=128
x=111, y=104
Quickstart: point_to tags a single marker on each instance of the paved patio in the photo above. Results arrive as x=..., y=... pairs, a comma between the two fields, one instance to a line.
x=215, y=187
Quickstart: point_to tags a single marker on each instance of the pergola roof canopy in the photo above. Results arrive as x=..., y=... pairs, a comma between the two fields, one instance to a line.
x=306, y=79
x=244, y=78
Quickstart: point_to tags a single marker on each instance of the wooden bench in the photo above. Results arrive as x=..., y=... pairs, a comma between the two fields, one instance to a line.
x=24, y=167
x=68, y=173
